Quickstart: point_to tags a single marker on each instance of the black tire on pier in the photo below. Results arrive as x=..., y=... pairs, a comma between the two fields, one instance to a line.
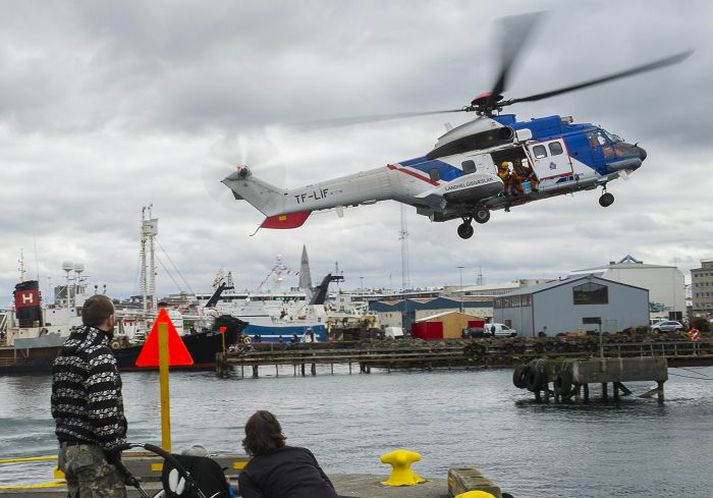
x=508, y=347
x=563, y=382
x=539, y=348
x=519, y=375
x=533, y=380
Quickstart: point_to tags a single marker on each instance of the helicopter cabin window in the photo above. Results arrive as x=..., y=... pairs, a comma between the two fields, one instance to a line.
x=434, y=174
x=468, y=166
x=539, y=151
x=555, y=148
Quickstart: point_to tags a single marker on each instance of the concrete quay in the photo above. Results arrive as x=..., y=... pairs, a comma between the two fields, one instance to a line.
x=148, y=468
x=572, y=377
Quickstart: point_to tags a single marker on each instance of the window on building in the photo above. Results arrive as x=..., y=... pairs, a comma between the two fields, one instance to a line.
x=555, y=148
x=526, y=300
x=539, y=151
x=590, y=293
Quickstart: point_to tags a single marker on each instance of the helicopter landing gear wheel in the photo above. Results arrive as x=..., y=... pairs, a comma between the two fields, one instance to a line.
x=465, y=229
x=606, y=199
x=482, y=215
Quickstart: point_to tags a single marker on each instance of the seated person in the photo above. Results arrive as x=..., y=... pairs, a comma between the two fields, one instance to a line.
x=522, y=172
x=277, y=470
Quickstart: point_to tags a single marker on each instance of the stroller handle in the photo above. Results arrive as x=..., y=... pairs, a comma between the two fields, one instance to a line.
x=163, y=454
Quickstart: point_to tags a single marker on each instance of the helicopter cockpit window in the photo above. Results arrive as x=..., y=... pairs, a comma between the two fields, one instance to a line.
x=597, y=138
x=468, y=166
x=555, y=148
x=539, y=151
x=613, y=137
x=434, y=174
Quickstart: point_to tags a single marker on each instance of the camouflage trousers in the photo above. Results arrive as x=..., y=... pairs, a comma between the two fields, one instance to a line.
x=88, y=473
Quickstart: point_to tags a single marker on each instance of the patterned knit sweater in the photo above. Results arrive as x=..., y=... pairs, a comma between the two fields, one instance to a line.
x=86, y=391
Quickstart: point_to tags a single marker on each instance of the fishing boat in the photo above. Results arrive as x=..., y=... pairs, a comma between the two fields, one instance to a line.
x=273, y=314
x=32, y=334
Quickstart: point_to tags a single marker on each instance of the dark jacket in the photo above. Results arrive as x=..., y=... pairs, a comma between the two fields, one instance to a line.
x=289, y=472
x=86, y=391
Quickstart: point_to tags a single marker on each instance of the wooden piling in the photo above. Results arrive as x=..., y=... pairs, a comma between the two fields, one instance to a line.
x=605, y=393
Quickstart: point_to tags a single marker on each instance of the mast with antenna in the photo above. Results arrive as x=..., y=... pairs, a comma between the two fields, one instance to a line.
x=405, y=266
x=149, y=231
x=21, y=265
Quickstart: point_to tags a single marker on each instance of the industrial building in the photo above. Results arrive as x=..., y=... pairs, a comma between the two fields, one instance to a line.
x=574, y=304
x=702, y=289
x=666, y=284
x=446, y=325
x=402, y=313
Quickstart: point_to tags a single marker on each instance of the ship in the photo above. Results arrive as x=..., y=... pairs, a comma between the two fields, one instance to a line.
x=31, y=342
x=274, y=315
x=202, y=345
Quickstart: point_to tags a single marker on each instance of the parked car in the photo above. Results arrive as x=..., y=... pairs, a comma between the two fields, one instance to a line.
x=474, y=332
x=667, y=326
x=500, y=330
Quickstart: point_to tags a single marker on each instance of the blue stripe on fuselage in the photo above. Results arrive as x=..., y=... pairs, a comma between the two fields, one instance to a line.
x=446, y=171
x=551, y=127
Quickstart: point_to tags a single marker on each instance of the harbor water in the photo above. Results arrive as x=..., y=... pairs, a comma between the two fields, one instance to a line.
x=633, y=448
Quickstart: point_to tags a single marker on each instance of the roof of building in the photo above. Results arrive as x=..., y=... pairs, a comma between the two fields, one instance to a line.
x=626, y=263
x=534, y=289
x=444, y=313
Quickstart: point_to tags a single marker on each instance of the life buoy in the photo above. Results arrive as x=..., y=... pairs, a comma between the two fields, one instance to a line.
x=563, y=382
x=694, y=335
x=533, y=380
x=115, y=344
x=519, y=376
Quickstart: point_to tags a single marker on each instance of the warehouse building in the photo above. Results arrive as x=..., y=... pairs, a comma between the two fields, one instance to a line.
x=572, y=305
x=402, y=313
x=666, y=285
x=446, y=325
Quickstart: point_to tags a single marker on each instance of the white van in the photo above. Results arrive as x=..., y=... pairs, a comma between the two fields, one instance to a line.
x=499, y=330
x=393, y=332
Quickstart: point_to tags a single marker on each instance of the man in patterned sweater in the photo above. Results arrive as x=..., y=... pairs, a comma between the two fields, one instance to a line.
x=87, y=405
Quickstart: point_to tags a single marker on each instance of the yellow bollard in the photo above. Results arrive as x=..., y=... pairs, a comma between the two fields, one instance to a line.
x=401, y=473
x=475, y=494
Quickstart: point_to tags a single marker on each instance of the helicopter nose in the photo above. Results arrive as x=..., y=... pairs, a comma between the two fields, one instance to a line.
x=642, y=152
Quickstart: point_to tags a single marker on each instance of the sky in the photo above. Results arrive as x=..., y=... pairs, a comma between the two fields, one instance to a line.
x=106, y=107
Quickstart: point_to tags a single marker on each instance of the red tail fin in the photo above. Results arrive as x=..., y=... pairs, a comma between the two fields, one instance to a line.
x=290, y=220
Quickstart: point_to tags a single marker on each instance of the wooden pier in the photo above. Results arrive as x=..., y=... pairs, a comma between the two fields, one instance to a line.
x=427, y=355
x=358, y=359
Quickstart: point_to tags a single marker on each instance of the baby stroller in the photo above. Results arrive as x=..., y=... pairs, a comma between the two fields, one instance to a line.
x=183, y=476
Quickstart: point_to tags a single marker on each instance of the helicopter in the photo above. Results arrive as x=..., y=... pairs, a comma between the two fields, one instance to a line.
x=489, y=163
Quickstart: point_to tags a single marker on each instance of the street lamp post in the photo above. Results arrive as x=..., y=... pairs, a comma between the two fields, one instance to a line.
x=460, y=290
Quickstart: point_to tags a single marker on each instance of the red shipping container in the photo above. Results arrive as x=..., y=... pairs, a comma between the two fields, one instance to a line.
x=427, y=330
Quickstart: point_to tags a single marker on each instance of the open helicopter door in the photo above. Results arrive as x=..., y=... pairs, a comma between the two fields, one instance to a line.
x=550, y=159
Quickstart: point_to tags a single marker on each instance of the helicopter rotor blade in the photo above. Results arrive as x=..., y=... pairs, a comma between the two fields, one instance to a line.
x=348, y=121
x=674, y=59
x=515, y=31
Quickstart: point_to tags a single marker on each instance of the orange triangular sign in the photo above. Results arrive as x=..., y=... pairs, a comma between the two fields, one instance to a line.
x=177, y=352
